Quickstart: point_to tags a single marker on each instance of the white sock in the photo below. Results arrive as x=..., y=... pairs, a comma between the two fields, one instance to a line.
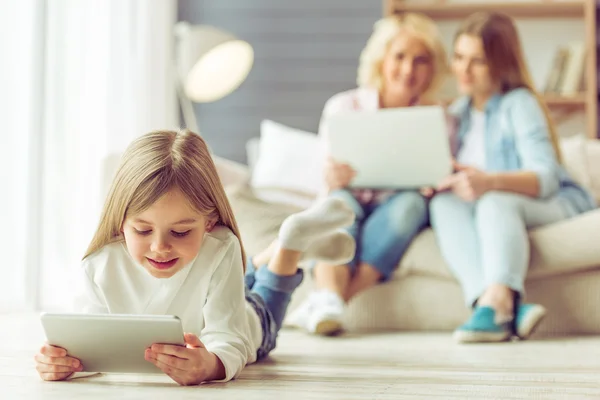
x=323, y=218
x=337, y=248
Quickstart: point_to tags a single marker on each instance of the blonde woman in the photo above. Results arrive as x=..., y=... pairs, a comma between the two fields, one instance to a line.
x=402, y=65
x=168, y=243
x=508, y=178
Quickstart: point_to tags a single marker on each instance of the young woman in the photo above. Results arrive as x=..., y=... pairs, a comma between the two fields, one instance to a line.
x=508, y=178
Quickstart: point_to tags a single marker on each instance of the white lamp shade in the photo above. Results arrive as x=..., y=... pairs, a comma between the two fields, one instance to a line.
x=211, y=63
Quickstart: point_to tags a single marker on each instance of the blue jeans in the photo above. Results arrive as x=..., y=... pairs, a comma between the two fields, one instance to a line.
x=383, y=231
x=269, y=294
x=485, y=242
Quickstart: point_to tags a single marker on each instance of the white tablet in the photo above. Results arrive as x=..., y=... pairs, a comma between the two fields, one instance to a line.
x=396, y=148
x=112, y=342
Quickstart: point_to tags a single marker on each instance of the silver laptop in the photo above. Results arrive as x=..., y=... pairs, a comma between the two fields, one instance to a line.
x=112, y=342
x=399, y=148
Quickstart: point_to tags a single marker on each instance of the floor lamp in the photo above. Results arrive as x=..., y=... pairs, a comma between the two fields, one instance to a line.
x=210, y=64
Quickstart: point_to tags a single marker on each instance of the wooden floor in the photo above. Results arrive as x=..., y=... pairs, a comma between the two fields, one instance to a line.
x=373, y=366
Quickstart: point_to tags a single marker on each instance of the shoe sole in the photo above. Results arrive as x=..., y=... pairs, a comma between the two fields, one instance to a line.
x=327, y=327
x=480, y=337
x=530, y=324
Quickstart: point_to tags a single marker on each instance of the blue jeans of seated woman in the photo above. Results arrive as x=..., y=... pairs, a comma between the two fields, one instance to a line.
x=384, y=231
x=485, y=242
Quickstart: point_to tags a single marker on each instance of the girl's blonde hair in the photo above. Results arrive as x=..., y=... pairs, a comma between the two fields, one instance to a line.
x=384, y=32
x=505, y=58
x=152, y=165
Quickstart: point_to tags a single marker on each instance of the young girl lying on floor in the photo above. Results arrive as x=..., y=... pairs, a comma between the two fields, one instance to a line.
x=168, y=243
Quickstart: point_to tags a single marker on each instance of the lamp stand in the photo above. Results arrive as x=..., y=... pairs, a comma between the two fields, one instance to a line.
x=187, y=108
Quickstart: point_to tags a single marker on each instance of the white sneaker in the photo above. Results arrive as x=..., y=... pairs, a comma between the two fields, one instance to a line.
x=320, y=314
x=298, y=318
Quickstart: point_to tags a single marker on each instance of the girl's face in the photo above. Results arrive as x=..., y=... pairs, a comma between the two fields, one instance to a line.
x=167, y=236
x=470, y=67
x=407, y=67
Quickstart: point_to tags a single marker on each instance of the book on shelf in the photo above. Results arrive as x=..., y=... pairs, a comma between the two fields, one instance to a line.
x=567, y=73
x=556, y=71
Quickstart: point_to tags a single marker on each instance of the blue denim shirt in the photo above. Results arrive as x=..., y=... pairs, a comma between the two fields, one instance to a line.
x=517, y=138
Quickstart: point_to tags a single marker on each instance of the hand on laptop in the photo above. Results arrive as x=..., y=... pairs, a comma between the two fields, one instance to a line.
x=468, y=183
x=427, y=192
x=338, y=175
x=53, y=364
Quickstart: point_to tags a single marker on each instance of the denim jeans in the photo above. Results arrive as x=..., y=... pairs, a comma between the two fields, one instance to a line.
x=269, y=294
x=485, y=242
x=384, y=231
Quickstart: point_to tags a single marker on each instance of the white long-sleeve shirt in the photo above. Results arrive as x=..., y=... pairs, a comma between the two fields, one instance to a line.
x=207, y=295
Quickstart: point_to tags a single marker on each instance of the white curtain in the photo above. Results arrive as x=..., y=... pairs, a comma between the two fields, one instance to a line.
x=98, y=75
x=19, y=118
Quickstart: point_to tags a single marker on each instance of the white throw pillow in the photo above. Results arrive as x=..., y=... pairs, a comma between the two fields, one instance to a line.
x=289, y=159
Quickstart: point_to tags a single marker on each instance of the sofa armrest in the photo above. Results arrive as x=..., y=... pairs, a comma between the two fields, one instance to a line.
x=566, y=246
x=231, y=172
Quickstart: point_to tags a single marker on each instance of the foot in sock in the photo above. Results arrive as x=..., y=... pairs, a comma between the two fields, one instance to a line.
x=336, y=248
x=299, y=230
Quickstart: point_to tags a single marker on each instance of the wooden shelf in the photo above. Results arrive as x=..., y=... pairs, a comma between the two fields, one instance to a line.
x=577, y=100
x=583, y=10
x=530, y=9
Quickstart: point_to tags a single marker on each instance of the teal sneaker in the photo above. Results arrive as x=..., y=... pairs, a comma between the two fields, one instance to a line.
x=482, y=327
x=528, y=319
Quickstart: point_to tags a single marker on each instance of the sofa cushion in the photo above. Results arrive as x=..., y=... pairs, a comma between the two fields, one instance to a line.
x=423, y=257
